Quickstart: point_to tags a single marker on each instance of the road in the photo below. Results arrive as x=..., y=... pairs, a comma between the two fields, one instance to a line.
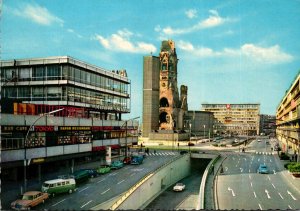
x=100, y=189
x=241, y=187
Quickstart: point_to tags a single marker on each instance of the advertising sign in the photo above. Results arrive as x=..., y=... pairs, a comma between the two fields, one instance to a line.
x=108, y=155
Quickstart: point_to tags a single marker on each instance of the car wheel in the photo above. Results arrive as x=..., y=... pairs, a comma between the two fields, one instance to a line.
x=70, y=191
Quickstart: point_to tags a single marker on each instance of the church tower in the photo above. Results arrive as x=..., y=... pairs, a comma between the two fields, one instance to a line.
x=168, y=95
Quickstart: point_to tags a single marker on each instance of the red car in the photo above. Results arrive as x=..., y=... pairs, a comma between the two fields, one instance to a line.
x=127, y=160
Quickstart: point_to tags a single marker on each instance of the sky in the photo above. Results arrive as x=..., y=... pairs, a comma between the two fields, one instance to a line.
x=233, y=51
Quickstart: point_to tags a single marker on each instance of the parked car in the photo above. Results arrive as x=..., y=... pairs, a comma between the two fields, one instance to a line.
x=103, y=169
x=127, y=160
x=80, y=176
x=179, y=187
x=191, y=144
x=29, y=199
x=92, y=172
x=56, y=186
x=117, y=164
x=262, y=169
x=137, y=159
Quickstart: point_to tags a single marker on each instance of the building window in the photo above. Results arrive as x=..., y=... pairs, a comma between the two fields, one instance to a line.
x=53, y=72
x=38, y=73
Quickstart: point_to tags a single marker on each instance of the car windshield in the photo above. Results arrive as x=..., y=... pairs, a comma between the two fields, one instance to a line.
x=46, y=185
x=27, y=197
x=179, y=184
x=263, y=167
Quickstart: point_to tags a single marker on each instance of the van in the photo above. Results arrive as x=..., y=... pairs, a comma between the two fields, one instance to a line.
x=56, y=186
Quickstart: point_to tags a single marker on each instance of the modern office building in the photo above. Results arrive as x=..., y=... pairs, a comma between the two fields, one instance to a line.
x=61, y=109
x=200, y=124
x=267, y=125
x=235, y=119
x=288, y=119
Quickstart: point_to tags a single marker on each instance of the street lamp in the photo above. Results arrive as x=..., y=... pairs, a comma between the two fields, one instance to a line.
x=190, y=137
x=125, y=123
x=25, y=141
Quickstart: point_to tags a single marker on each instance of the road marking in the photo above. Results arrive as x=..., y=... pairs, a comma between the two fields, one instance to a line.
x=100, y=180
x=273, y=186
x=290, y=207
x=251, y=184
x=291, y=195
x=113, y=174
x=249, y=171
x=86, y=203
x=260, y=207
x=280, y=195
x=226, y=168
x=229, y=189
x=121, y=182
x=269, y=178
x=258, y=159
x=58, y=202
x=274, y=171
x=254, y=194
x=83, y=189
x=105, y=191
x=267, y=192
x=250, y=177
x=270, y=161
x=241, y=170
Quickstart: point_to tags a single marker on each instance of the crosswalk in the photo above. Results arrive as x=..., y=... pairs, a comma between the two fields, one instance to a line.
x=162, y=154
x=265, y=153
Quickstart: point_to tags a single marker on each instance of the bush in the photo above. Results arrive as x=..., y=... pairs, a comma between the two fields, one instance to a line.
x=294, y=167
x=215, y=145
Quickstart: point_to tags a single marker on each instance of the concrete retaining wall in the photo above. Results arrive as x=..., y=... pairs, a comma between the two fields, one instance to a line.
x=148, y=188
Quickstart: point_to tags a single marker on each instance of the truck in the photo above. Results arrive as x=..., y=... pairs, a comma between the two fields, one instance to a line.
x=137, y=159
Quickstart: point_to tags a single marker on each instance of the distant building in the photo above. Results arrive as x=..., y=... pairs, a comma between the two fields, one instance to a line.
x=267, y=125
x=288, y=119
x=201, y=124
x=235, y=119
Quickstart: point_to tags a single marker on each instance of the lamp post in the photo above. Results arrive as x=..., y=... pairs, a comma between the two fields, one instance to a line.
x=25, y=141
x=190, y=137
x=125, y=123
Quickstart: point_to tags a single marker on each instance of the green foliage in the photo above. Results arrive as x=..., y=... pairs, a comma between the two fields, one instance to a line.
x=284, y=156
x=294, y=167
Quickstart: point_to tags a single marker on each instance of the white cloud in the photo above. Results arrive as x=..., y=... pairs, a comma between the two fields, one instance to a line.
x=212, y=21
x=192, y=13
x=38, y=14
x=121, y=42
x=73, y=32
x=254, y=53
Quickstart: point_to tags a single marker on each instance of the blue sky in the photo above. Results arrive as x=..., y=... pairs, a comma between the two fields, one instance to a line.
x=234, y=51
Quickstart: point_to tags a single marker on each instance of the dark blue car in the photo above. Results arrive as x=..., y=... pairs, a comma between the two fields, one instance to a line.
x=91, y=172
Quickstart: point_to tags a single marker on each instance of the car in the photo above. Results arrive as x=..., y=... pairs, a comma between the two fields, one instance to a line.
x=258, y=140
x=127, y=160
x=92, y=172
x=29, y=199
x=191, y=144
x=103, y=169
x=61, y=185
x=262, y=169
x=117, y=164
x=179, y=187
x=137, y=160
x=80, y=176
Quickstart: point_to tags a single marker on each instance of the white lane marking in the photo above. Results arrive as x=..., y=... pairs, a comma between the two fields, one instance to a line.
x=270, y=161
x=132, y=174
x=280, y=195
x=274, y=171
x=254, y=194
x=260, y=207
x=269, y=178
x=249, y=171
x=105, y=191
x=273, y=186
x=258, y=159
x=241, y=170
x=83, y=189
x=226, y=168
x=121, y=182
x=251, y=184
x=267, y=192
x=229, y=189
x=86, y=203
x=113, y=174
x=291, y=195
x=58, y=202
x=250, y=177
x=290, y=207
x=100, y=180
x=236, y=165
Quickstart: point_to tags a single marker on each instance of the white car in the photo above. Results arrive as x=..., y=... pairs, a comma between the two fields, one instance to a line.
x=179, y=187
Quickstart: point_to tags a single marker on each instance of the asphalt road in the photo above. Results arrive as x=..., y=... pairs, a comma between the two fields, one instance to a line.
x=104, y=187
x=241, y=187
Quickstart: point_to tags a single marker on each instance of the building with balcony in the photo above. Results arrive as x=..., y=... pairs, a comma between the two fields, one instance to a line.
x=235, y=119
x=59, y=110
x=267, y=125
x=288, y=119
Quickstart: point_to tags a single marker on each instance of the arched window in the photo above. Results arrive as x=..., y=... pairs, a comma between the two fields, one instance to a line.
x=163, y=102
